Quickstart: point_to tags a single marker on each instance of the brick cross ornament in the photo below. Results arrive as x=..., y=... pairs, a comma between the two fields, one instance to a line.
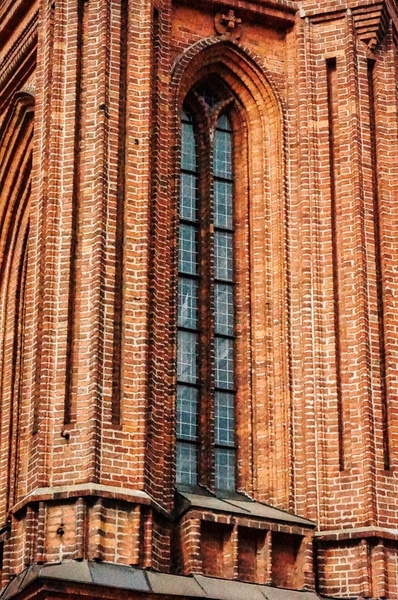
x=230, y=20
x=228, y=25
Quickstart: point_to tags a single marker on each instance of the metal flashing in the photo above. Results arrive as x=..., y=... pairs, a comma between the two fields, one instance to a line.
x=237, y=504
x=154, y=583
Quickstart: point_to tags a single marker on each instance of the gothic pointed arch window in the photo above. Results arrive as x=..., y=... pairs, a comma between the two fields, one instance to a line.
x=232, y=371
x=206, y=296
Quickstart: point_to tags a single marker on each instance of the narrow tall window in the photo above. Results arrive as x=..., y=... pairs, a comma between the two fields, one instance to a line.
x=188, y=307
x=206, y=311
x=224, y=401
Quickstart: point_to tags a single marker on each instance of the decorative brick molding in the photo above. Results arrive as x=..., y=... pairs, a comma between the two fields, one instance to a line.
x=371, y=23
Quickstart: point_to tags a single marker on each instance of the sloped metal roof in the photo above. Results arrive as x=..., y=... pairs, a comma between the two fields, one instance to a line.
x=240, y=505
x=139, y=580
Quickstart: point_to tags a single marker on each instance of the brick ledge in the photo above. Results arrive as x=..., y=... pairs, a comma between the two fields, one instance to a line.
x=63, y=492
x=357, y=533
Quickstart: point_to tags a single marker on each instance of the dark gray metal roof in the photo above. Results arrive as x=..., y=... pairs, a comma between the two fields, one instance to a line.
x=139, y=580
x=238, y=504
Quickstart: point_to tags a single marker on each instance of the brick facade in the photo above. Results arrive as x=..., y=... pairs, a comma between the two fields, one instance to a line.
x=90, y=98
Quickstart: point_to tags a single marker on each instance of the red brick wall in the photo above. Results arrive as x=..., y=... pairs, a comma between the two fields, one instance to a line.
x=88, y=410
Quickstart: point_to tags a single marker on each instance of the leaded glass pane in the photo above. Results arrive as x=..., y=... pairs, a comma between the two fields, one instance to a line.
x=189, y=307
x=188, y=197
x=224, y=419
x=224, y=123
x=223, y=204
x=186, y=463
x=188, y=147
x=187, y=412
x=224, y=363
x=223, y=255
x=187, y=303
x=222, y=166
x=187, y=356
x=225, y=468
x=224, y=308
x=188, y=250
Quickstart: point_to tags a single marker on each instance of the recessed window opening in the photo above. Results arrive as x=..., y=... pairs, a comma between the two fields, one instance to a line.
x=206, y=295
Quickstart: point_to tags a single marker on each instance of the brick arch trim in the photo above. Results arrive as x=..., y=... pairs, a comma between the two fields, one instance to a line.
x=267, y=405
x=16, y=143
x=230, y=53
x=16, y=135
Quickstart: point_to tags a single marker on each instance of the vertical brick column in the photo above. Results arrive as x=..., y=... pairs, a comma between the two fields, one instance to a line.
x=81, y=516
x=305, y=387
x=357, y=360
x=386, y=133
x=48, y=65
x=92, y=228
x=265, y=560
x=190, y=546
x=96, y=531
x=136, y=216
x=161, y=375
x=364, y=575
x=54, y=204
x=379, y=575
x=306, y=563
x=293, y=59
x=231, y=558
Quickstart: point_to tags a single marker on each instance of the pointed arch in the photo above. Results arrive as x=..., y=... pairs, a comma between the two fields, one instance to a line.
x=235, y=62
x=16, y=143
x=263, y=389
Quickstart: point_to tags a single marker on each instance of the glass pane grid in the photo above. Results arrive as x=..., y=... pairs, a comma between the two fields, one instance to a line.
x=188, y=249
x=223, y=255
x=188, y=147
x=222, y=166
x=224, y=419
x=188, y=360
x=188, y=197
x=186, y=472
x=224, y=309
x=187, y=303
x=187, y=413
x=224, y=363
x=225, y=469
x=187, y=356
x=187, y=343
x=223, y=204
